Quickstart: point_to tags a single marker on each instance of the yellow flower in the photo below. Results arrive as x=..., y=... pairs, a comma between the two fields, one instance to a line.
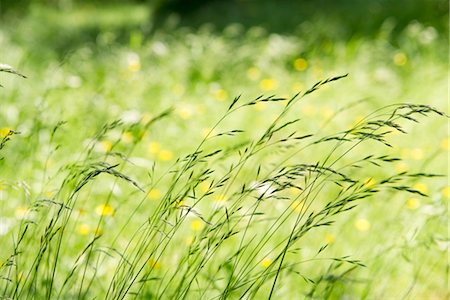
x=204, y=186
x=309, y=110
x=165, y=155
x=185, y=112
x=84, y=229
x=400, y=59
x=98, y=232
x=446, y=192
x=179, y=203
x=416, y=154
x=253, y=73
x=330, y=238
x=318, y=73
x=206, y=132
x=105, y=146
x=197, y=225
x=104, y=210
x=297, y=87
x=21, y=212
x=296, y=206
x=154, y=194
x=154, y=264
x=133, y=62
x=412, y=203
x=370, y=182
x=327, y=112
x=294, y=191
x=300, y=64
x=421, y=187
x=362, y=225
x=268, y=84
x=405, y=153
x=445, y=144
x=4, y=131
x=154, y=147
x=220, y=198
x=401, y=167
x=358, y=120
x=189, y=240
x=145, y=118
x=127, y=137
x=220, y=95
x=266, y=262
x=260, y=106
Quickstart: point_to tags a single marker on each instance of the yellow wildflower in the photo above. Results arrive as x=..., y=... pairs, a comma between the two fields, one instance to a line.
x=421, y=187
x=204, y=186
x=297, y=87
x=358, y=120
x=416, y=154
x=400, y=59
x=370, y=182
x=260, y=106
x=154, y=194
x=401, y=167
x=104, y=210
x=330, y=238
x=296, y=206
x=197, y=225
x=105, y=146
x=185, y=112
x=154, y=264
x=300, y=64
x=98, y=232
x=266, y=262
x=208, y=132
x=145, y=118
x=154, y=147
x=294, y=191
x=127, y=137
x=84, y=229
x=189, y=240
x=253, y=73
x=4, y=131
x=220, y=95
x=445, y=144
x=318, y=73
x=446, y=192
x=362, y=225
x=221, y=198
x=179, y=203
x=133, y=62
x=165, y=155
x=21, y=212
x=268, y=84
x=327, y=112
x=412, y=203
x=309, y=110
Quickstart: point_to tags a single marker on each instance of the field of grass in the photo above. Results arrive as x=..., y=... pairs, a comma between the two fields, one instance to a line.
x=223, y=160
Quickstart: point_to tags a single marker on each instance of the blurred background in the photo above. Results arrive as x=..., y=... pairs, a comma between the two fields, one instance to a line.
x=91, y=62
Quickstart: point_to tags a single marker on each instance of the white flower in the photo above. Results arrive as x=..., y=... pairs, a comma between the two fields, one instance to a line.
x=264, y=189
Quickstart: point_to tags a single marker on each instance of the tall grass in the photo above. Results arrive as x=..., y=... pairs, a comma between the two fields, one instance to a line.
x=251, y=206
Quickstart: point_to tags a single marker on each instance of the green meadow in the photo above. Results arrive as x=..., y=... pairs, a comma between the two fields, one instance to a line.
x=240, y=150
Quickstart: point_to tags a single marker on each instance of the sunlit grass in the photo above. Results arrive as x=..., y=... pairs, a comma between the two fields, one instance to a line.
x=136, y=216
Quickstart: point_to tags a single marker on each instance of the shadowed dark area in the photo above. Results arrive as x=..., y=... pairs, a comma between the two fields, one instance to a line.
x=325, y=20
x=344, y=18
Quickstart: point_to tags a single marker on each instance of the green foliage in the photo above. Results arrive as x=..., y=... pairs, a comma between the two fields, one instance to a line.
x=302, y=187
